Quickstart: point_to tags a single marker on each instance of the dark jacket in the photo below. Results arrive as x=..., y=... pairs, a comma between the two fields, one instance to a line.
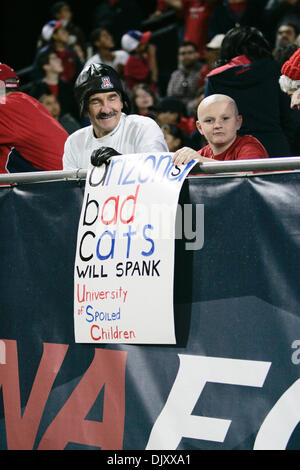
x=263, y=106
x=222, y=18
x=118, y=17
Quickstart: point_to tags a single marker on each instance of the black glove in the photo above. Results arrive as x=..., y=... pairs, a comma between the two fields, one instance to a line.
x=101, y=155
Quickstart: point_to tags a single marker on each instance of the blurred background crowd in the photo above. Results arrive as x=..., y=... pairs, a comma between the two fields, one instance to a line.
x=169, y=53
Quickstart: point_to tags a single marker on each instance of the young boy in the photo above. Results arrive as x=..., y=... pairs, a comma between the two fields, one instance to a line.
x=51, y=66
x=104, y=44
x=63, y=11
x=219, y=121
x=57, y=38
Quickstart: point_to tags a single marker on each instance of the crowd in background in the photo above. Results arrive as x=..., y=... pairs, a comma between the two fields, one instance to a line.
x=174, y=57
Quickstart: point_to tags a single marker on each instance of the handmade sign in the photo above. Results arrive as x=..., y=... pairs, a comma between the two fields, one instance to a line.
x=123, y=277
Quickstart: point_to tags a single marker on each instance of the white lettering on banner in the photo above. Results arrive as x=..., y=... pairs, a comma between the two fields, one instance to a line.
x=2, y=352
x=277, y=428
x=176, y=420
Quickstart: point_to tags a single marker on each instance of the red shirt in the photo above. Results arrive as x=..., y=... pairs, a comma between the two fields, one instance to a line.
x=197, y=14
x=28, y=126
x=243, y=148
x=53, y=89
x=237, y=9
x=137, y=70
x=187, y=124
x=161, y=5
x=202, y=77
x=69, y=62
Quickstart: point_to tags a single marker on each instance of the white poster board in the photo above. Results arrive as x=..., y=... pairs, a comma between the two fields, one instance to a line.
x=124, y=266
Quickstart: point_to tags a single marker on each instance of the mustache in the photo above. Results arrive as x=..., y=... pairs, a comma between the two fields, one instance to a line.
x=104, y=115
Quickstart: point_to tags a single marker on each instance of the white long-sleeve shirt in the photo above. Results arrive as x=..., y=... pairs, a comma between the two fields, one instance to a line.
x=119, y=57
x=133, y=134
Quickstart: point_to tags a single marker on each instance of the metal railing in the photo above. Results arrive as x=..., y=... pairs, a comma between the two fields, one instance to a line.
x=42, y=176
x=205, y=168
x=258, y=164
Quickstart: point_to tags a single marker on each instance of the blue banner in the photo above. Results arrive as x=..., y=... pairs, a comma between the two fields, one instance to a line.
x=232, y=381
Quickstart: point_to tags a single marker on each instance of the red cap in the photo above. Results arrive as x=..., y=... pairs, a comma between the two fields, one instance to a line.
x=291, y=68
x=9, y=76
x=50, y=28
x=145, y=37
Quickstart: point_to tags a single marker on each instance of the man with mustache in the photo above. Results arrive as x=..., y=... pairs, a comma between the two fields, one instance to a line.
x=113, y=131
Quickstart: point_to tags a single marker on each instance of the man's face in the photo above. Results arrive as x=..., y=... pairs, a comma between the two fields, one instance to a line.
x=65, y=13
x=187, y=56
x=167, y=117
x=61, y=35
x=219, y=123
x=143, y=99
x=173, y=143
x=55, y=64
x=295, y=99
x=104, y=111
x=105, y=40
x=142, y=48
x=50, y=102
x=285, y=35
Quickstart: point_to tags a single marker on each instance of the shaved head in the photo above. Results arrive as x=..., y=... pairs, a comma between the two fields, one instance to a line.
x=218, y=121
x=217, y=98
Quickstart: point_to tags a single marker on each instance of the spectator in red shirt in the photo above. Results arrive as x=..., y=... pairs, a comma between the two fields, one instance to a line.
x=30, y=138
x=219, y=122
x=63, y=11
x=57, y=38
x=141, y=65
x=51, y=66
x=196, y=14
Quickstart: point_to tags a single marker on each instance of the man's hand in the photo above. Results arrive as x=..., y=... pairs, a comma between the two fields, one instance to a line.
x=101, y=155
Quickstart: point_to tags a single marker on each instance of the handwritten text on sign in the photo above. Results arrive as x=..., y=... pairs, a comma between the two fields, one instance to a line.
x=123, y=278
